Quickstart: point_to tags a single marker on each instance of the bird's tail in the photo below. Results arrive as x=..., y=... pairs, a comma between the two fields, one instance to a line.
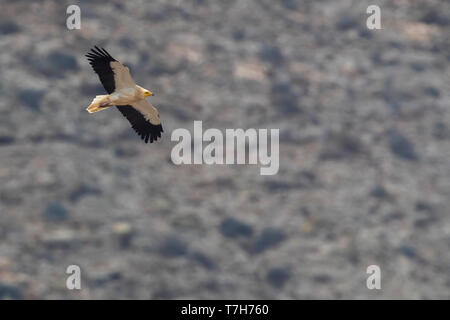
x=99, y=103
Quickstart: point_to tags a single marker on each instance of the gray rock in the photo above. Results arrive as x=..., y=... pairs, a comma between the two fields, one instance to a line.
x=55, y=212
x=424, y=206
x=441, y=131
x=83, y=190
x=432, y=91
x=124, y=233
x=203, y=260
x=401, y=146
x=31, y=98
x=436, y=17
x=56, y=64
x=347, y=22
x=341, y=146
x=6, y=140
x=408, y=251
x=92, y=90
x=9, y=28
x=379, y=192
x=238, y=34
x=289, y=4
x=278, y=186
x=10, y=292
x=269, y=238
x=232, y=228
x=278, y=277
x=271, y=54
x=322, y=278
x=173, y=247
x=63, y=61
x=284, y=99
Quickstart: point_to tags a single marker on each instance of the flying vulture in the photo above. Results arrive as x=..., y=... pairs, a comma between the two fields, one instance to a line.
x=125, y=94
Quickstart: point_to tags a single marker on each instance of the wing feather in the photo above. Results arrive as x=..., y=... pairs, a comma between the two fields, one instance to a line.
x=144, y=119
x=113, y=74
x=122, y=76
x=100, y=61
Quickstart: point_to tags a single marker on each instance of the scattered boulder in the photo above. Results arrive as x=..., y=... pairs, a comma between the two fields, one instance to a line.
x=232, y=228
x=124, y=232
x=31, y=98
x=203, y=260
x=379, y=192
x=9, y=27
x=10, y=292
x=441, y=131
x=173, y=247
x=436, y=17
x=83, y=190
x=56, y=64
x=6, y=140
x=401, y=147
x=284, y=99
x=271, y=54
x=63, y=61
x=408, y=251
x=55, y=212
x=340, y=146
x=278, y=277
x=269, y=238
x=346, y=22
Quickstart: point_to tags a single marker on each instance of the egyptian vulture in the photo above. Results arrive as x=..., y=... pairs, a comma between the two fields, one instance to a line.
x=126, y=95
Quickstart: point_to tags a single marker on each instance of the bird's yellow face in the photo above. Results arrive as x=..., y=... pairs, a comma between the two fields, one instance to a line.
x=147, y=93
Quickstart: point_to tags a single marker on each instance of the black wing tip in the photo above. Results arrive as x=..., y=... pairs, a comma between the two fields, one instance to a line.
x=145, y=129
x=99, y=53
x=154, y=132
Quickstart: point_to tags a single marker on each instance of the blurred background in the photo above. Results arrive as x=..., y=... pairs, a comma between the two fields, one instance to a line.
x=364, y=146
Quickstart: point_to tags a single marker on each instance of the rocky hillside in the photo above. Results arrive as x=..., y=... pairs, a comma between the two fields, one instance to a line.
x=364, y=151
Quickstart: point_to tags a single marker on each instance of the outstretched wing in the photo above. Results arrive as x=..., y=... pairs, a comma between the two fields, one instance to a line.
x=100, y=61
x=113, y=75
x=144, y=119
x=122, y=76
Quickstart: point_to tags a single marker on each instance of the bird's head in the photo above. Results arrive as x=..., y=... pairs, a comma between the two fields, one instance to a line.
x=147, y=93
